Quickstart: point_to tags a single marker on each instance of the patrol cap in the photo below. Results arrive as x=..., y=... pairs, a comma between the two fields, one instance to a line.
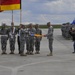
x=36, y=24
x=3, y=24
x=48, y=23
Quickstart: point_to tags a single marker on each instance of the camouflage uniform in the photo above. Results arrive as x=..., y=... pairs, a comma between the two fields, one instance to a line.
x=4, y=38
x=50, y=38
x=12, y=37
x=18, y=40
x=31, y=40
x=65, y=30
x=67, y=35
x=27, y=41
x=37, y=39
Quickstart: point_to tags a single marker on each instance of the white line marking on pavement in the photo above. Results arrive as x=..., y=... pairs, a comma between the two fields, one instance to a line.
x=6, y=67
x=14, y=70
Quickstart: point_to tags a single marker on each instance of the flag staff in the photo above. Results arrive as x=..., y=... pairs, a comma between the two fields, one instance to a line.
x=12, y=16
x=20, y=16
x=20, y=11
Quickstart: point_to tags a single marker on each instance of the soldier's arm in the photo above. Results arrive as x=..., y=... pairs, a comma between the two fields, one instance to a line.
x=50, y=32
x=0, y=31
x=40, y=34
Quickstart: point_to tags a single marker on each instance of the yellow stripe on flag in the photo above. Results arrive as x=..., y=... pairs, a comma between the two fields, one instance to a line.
x=38, y=35
x=10, y=7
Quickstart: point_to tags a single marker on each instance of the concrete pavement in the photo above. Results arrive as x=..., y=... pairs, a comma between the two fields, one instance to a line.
x=61, y=63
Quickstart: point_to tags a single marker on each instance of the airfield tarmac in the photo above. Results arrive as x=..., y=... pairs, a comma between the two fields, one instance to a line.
x=61, y=63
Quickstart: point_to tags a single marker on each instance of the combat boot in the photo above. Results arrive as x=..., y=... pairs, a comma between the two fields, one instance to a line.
x=22, y=54
x=50, y=54
x=31, y=53
x=27, y=52
x=12, y=52
x=37, y=52
x=4, y=52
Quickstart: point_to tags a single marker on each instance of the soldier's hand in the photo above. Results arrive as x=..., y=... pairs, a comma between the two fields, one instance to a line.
x=45, y=35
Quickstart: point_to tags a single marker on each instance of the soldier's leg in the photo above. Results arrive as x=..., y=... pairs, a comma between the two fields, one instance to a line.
x=3, y=45
x=74, y=47
x=37, y=47
x=50, y=47
x=31, y=46
x=12, y=46
x=18, y=41
x=27, y=47
x=22, y=45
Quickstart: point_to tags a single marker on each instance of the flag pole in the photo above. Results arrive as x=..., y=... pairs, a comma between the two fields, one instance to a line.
x=20, y=16
x=20, y=11
x=12, y=16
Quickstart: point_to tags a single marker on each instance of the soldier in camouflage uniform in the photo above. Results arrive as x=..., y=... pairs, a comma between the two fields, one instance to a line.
x=37, y=39
x=67, y=35
x=22, y=40
x=31, y=30
x=4, y=38
x=27, y=41
x=18, y=38
x=12, y=37
x=72, y=33
x=49, y=36
x=65, y=30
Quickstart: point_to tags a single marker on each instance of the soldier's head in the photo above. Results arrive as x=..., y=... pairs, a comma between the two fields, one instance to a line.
x=12, y=24
x=30, y=25
x=48, y=24
x=36, y=26
x=22, y=26
x=3, y=25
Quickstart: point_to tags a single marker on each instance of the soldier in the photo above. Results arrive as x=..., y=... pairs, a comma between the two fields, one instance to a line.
x=18, y=40
x=12, y=32
x=63, y=28
x=22, y=40
x=67, y=35
x=27, y=41
x=72, y=33
x=4, y=38
x=31, y=30
x=49, y=36
x=37, y=39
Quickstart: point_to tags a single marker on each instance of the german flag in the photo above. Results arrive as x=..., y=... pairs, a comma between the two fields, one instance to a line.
x=37, y=35
x=10, y=4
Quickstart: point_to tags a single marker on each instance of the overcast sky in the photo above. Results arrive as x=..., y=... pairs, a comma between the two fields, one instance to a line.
x=41, y=12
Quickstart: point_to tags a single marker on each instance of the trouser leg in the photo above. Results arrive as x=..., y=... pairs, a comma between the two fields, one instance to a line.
x=74, y=46
x=51, y=45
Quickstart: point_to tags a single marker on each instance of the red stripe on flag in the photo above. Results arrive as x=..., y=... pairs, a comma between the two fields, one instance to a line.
x=9, y=2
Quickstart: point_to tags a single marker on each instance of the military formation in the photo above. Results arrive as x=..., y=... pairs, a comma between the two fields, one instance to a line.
x=23, y=38
x=65, y=30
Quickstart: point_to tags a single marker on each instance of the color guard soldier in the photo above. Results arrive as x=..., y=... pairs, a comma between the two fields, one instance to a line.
x=12, y=37
x=31, y=30
x=22, y=40
x=4, y=38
